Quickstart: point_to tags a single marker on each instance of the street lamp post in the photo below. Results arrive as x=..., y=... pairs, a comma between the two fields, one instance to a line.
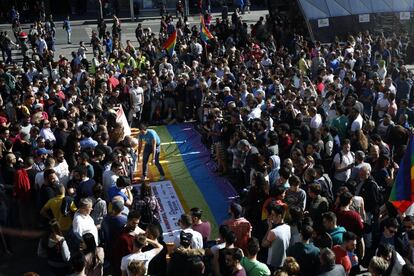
x=131, y=6
x=101, y=8
x=186, y=8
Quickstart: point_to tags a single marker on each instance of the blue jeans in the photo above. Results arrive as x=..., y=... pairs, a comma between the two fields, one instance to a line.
x=147, y=153
x=9, y=56
x=68, y=35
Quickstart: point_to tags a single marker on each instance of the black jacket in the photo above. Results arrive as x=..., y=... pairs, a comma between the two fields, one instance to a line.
x=373, y=199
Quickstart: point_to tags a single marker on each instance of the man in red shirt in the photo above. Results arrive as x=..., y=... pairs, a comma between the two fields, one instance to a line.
x=112, y=81
x=348, y=218
x=203, y=227
x=124, y=244
x=285, y=141
x=239, y=225
x=343, y=251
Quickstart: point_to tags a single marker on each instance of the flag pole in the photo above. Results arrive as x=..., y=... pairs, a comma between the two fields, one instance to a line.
x=202, y=41
x=205, y=50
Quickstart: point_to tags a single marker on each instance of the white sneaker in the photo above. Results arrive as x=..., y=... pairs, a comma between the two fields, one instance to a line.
x=162, y=178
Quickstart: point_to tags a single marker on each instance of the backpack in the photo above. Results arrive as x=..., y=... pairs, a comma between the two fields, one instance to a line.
x=147, y=216
x=65, y=206
x=326, y=185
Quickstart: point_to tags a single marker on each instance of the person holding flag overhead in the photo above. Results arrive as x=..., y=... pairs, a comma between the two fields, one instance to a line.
x=169, y=45
x=205, y=34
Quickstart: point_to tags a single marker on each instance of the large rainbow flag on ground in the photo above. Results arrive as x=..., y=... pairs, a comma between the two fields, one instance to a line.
x=205, y=34
x=169, y=45
x=188, y=165
x=402, y=193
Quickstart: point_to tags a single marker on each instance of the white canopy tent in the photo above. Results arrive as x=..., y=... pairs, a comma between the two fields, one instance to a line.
x=320, y=13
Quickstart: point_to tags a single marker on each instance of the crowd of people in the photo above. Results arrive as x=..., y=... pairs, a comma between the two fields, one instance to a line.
x=309, y=134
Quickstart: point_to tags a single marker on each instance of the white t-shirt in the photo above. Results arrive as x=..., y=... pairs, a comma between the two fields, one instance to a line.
x=108, y=180
x=348, y=51
x=316, y=121
x=62, y=172
x=357, y=123
x=145, y=257
x=255, y=113
x=216, y=248
x=26, y=129
x=392, y=89
x=39, y=180
x=382, y=102
x=266, y=62
x=398, y=264
x=42, y=46
x=82, y=52
x=137, y=97
x=47, y=134
x=346, y=160
x=196, y=240
x=84, y=224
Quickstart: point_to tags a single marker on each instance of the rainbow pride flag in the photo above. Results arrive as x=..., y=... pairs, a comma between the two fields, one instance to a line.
x=402, y=193
x=188, y=165
x=169, y=45
x=205, y=34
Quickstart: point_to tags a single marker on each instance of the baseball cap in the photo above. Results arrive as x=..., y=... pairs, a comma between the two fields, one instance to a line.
x=42, y=151
x=185, y=238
